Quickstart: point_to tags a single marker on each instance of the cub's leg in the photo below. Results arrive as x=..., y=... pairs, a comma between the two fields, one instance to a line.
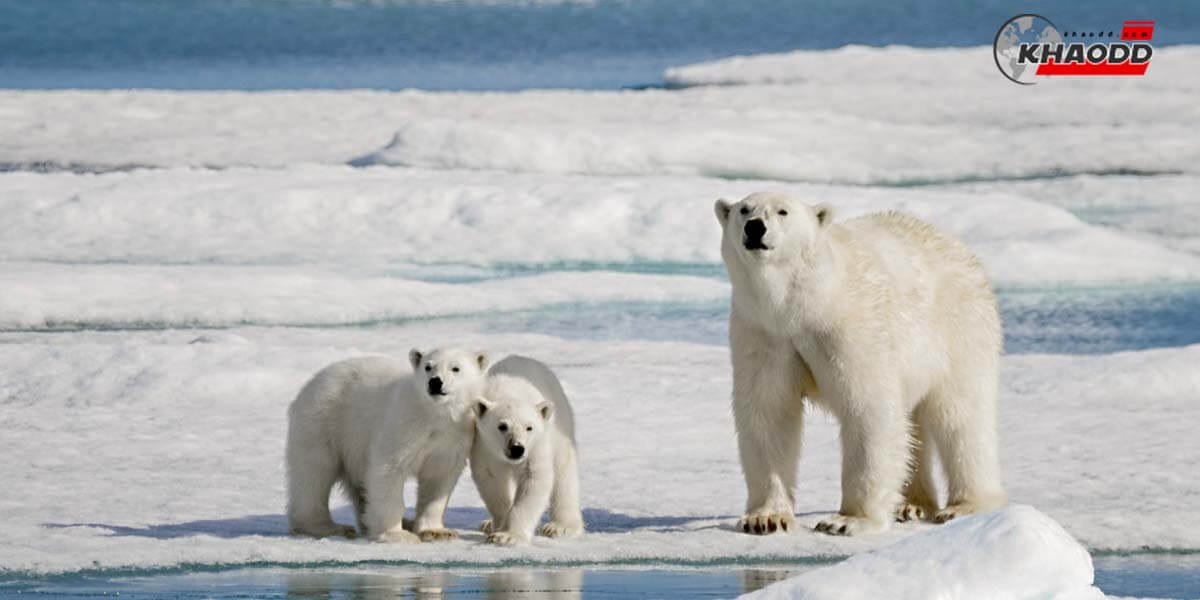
x=385, y=506
x=920, y=493
x=566, y=518
x=435, y=483
x=533, y=494
x=497, y=485
x=966, y=437
x=312, y=471
x=768, y=410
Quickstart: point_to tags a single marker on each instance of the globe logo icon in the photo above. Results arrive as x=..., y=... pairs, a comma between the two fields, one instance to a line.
x=1022, y=29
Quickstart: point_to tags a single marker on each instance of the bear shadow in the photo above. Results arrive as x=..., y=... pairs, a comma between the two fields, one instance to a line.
x=598, y=520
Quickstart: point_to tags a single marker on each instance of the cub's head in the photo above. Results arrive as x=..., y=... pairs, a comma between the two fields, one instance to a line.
x=511, y=416
x=448, y=373
x=767, y=225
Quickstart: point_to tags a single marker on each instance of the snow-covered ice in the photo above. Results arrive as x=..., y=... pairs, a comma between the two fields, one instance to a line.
x=1016, y=553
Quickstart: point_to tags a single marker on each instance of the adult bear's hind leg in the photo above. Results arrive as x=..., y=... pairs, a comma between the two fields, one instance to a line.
x=965, y=432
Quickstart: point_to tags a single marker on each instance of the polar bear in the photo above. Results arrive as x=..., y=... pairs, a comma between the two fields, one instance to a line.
x=524, y=455
x=370, y=425
x=885, y=322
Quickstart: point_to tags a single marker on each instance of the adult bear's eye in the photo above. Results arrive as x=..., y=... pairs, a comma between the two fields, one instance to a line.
x=744, y=211
x=455, y=369
x=428, y=368
x=782, y=213
x=529, y=428
x=503, y=427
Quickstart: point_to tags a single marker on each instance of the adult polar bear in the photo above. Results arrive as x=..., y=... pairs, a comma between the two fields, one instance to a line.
x=885, y=322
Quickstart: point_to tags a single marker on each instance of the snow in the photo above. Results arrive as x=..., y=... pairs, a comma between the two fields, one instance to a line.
x=144, y=450
x=952, y=119
x=1016, y=553
x=390, y=221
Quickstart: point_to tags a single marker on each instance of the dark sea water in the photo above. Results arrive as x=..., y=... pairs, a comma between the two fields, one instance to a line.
x=476, y=45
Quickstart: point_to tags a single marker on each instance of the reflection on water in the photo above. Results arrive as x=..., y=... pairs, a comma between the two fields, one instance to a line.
x=1145, y=575
x=563, y=584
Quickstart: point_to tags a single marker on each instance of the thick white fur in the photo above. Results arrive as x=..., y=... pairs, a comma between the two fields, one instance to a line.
x=887, y=323
x=523, y=404
x=370, y=424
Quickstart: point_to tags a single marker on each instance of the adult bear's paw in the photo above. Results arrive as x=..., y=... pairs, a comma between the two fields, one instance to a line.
x=847, y=525
x=505, y=538
x=559, y=529
x=907, y=511
x=764, y=522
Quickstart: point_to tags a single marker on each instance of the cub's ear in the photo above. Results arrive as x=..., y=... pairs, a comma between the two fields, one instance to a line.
x=483, y=360
x=824, y=214
x=546, y=409
x=722, y=208
x=482, y=405
x=414, y=357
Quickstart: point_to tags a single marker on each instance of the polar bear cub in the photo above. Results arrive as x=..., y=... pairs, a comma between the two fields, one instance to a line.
x=886, y=322
x=524, y=455
x=370, y=425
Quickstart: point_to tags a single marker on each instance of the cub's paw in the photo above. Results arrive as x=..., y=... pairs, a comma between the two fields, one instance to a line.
x=504, y=538
x=560, y=529
x=487, y=526
x=437, y=535
x=912, y=512
x=762, y=523
x=845, y=525
x=398, y=536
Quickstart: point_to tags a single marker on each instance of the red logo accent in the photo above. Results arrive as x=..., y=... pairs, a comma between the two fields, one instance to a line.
x=1137, y=31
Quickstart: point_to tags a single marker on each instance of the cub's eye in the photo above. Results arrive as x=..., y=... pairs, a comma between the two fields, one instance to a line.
x=428, y=368
x=455, y=369
x=529, y=428
x=744, y=211
x=782, y=212
x=503, y=427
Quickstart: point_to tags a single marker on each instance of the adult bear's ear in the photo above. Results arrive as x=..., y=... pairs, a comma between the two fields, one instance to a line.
x=483, y=360
x=482, y=405
x=546, y=408
x=722, y=208
x=414, y=357
x=824, y=214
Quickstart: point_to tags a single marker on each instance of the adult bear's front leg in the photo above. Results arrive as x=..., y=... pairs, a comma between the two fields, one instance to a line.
x=874, y=432
x=768, y=410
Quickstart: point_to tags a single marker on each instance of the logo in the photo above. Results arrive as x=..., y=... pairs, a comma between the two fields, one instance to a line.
x=1029, y=46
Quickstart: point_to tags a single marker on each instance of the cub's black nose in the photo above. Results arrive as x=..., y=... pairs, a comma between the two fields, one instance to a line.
x=516, y=451
x=435, y=386
x=755, y=229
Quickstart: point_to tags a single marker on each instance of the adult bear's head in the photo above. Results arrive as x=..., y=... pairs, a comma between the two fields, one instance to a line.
x=767, y=226
x=448, y=373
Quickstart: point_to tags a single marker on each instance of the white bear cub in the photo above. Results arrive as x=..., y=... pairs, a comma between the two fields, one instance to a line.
x=370, y=425
x=524, y=454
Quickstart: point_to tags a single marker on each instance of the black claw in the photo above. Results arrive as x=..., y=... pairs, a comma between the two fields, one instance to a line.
x=771, y=526
x=746, y=527
x=783, y=525
x=842, y=529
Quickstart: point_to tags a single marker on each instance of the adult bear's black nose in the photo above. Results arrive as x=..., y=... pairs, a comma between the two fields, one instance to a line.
x=516, y=451
x=435, y=386
x=755, y=229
